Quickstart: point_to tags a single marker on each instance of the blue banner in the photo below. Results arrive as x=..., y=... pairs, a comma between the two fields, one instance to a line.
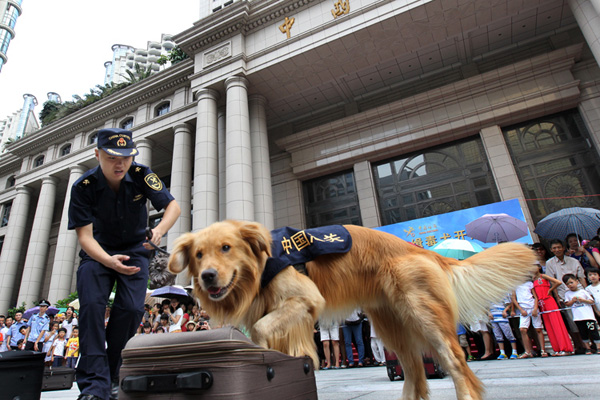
x=427, y=232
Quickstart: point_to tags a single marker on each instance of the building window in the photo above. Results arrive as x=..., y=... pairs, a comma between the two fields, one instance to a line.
x=1, y=243
x=331, y=200
x=556, y=165
x=93, y=138
x=162, y=109
x=10, y=182
x=5, y=213
x=65, y=150
x=38, y=162
x=435, y=181
x=127, y=124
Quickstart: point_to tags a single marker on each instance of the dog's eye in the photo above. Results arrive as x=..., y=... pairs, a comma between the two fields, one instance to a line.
x=225, y=248
x=199, y=255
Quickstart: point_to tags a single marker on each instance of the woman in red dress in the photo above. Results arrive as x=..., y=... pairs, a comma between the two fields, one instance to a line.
x=544, y=285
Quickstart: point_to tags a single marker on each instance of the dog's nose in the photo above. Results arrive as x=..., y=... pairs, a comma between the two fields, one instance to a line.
x=209, y=275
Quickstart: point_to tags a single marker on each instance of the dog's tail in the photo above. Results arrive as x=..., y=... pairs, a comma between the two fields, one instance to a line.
x=488, y=276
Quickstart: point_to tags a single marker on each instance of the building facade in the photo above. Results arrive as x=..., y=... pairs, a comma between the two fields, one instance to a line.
x=10, y=10
x=20, y=123
x=313, y=112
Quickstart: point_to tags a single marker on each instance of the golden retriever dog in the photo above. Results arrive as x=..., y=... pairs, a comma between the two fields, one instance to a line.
x=414, y=297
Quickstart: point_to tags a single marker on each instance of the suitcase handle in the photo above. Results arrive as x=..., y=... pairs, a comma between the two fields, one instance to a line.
x=200, y=380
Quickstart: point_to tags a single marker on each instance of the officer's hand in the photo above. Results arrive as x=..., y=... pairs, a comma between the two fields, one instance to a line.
x=117, y=265
x=157, y=235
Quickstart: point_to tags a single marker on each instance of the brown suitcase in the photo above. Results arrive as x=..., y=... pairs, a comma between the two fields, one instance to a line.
x=216, y=364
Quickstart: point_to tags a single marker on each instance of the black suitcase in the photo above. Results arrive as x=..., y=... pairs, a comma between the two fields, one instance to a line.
x=394, y=369
x=21, y=374
x=215, y=364
x=58, y=378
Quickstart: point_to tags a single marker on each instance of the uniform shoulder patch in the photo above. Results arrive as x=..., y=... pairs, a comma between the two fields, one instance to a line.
x=87, y=181
x=153, y=181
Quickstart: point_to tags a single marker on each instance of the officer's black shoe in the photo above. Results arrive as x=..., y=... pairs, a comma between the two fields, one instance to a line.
x=88, y=397
x=114, y=390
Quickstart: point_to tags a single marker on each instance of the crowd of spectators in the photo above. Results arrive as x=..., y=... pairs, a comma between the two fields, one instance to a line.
x=55, y=335
x=174, y=315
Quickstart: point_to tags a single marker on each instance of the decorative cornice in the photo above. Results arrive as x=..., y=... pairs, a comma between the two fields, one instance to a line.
x=242, y=16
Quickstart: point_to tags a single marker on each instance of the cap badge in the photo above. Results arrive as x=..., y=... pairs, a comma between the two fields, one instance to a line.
x=121, y=142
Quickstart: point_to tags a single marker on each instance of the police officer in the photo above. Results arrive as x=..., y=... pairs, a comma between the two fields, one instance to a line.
x=108, y=212
x=36, y=327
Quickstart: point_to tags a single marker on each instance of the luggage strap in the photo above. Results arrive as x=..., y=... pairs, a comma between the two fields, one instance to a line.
x=199, y=380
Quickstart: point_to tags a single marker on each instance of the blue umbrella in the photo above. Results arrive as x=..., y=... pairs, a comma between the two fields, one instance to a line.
x=457, y=248
x=174, y=291
x=582, y=221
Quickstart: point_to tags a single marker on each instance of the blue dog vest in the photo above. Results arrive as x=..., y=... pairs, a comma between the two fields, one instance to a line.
x=292, y=247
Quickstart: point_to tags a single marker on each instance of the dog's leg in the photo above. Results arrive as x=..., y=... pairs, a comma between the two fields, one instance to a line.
x=289, y=328
x=404, y=341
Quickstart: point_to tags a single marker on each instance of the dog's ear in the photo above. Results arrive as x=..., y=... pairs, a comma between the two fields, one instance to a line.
x=258, y=237
x=180, y=258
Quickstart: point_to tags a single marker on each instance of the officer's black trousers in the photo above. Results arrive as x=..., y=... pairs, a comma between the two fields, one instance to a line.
x=99, y=346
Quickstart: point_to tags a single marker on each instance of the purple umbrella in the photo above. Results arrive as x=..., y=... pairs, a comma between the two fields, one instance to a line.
x=495, y=228
x=36, y=310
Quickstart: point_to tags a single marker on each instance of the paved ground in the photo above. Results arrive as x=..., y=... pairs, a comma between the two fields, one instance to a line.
x=575, y=377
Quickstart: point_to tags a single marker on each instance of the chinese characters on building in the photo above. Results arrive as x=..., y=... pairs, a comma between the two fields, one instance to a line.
x=339, y=8
x=427, y=235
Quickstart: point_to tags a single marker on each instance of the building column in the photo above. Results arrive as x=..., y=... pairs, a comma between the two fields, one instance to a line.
x=503, y=169
x=144, y=147
x=66, y=247
x=206, y=167
x=222, y=163
x=238, y=157
x=181, y=180
x=261, y=161
x=587, y=15
x=367, y=194
x=13, y=244
x=37, y=250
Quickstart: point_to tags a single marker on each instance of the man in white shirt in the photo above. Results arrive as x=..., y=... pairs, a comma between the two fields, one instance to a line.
x=557, y=267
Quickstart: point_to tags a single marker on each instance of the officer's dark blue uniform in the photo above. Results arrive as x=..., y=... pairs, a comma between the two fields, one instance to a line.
x=119, y=220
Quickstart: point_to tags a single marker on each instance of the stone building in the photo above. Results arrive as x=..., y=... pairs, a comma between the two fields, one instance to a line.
x=315, y=112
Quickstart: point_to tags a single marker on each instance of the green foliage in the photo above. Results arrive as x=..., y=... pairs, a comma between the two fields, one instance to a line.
x=53, y=111
x=177, y=55
x=64, y=303
x=13, y=311
x=140, y=73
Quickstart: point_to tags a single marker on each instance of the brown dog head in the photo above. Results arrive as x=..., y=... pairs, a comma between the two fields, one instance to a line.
x=226, y=260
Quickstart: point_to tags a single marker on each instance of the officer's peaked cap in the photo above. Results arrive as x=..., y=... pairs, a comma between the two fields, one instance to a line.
x=117, y=142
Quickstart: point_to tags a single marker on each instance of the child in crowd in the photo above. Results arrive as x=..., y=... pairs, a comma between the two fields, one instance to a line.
x=48, y=340
x=464, y=343
x=499, y=318
x=22, y=331
x=544, y=286
x=73, y=347
x=58, y=348
x=525, y=300
x=583, y=314
x=593, y=275
x=147, y=328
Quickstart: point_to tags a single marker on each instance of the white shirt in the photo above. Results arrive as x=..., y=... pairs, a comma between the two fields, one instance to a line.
x=4, y=332
x=581, y=311
x=69, y=326
x=595, y=292
x=524, y=296
x=177, y=326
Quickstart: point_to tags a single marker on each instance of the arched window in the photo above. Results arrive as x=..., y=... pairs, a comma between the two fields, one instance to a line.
x=127, y=123
x=66, y=149
x=10, y=182
x=162, y=109
x=93, y=138
x=39, y=161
